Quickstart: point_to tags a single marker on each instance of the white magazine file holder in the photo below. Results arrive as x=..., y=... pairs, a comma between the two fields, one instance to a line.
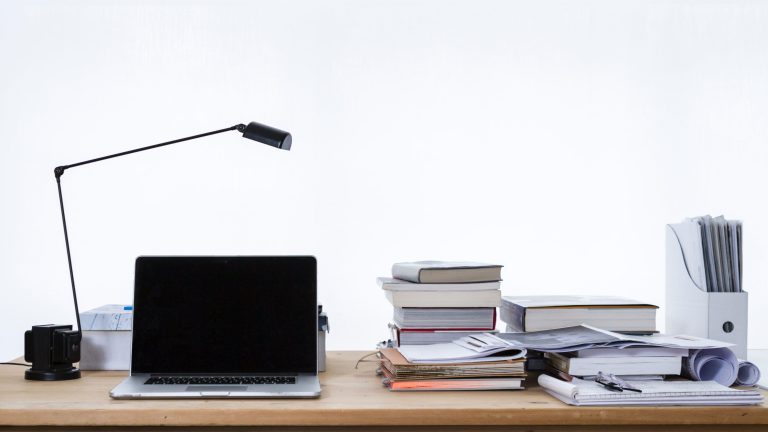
x=691, y=310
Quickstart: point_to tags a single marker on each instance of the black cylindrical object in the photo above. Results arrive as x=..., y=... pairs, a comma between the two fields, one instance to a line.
x=268, y=135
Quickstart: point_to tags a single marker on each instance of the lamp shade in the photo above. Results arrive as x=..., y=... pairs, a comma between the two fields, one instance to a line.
x=268, y=135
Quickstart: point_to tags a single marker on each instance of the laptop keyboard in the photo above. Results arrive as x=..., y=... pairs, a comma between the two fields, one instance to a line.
x=221, y=380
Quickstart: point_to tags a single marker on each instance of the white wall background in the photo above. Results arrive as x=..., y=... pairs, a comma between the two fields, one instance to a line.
x=554, y=137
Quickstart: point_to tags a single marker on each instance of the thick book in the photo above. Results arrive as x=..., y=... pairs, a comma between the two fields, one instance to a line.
x=429, y=336
x=446, y=272
x=445, y=318
x=580, y=366
x=392, y=284
x=535, y=313
x=453, y=299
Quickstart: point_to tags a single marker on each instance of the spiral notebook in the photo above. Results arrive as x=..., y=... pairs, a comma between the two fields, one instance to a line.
x=589, y=393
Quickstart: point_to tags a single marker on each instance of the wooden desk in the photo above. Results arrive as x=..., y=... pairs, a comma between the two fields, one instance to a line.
x=352, y=399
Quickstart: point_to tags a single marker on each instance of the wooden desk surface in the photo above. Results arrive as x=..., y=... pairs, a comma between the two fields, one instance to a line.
x=350, y=398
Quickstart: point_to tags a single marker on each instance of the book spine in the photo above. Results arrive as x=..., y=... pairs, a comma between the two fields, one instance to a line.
x=408, y=273
x=557, y=362
x=513, y=315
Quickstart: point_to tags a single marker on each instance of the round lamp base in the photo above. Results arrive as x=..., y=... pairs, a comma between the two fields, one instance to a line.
x=52, y=375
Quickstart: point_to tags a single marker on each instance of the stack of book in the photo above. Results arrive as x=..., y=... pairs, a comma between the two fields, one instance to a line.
x=535, y=313
x=437, y=301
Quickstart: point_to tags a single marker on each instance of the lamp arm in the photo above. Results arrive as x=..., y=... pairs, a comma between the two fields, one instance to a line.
x=59, y=171
x=69, y=256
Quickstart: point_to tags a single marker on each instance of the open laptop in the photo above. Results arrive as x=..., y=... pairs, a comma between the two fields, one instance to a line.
x=223, y=327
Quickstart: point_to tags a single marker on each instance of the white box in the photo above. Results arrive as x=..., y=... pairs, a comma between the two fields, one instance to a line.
x=690, y=310
x=107, y=333
x=106, y=343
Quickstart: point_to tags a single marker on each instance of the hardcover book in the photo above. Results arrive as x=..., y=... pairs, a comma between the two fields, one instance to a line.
x=446, y=272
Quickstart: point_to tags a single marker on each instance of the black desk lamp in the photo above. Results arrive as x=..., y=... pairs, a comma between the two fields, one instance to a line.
x=53, y=349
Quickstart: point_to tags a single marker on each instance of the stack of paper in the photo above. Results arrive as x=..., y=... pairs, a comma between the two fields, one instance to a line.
x=586, y=393
x=582, y=337
x=707, y=360
x=474, y=348
x=713, y=251
x=402, y=375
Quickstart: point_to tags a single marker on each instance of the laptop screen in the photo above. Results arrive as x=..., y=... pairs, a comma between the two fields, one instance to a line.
x=244, y=314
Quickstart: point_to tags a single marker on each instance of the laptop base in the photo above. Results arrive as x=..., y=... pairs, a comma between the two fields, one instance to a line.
x=133, y=387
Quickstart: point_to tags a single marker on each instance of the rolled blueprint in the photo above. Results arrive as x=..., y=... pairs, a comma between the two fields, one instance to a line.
x=748, y=375
x=716, y=364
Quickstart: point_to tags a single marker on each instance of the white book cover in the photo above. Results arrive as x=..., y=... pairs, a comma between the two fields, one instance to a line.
x=392, y=284
x=488, y=298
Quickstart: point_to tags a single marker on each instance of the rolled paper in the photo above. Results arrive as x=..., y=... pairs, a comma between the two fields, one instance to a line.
x=716, y=364
x=748, y=375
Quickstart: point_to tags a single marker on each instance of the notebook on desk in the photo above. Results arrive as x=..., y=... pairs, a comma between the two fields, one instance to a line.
x=223, y=327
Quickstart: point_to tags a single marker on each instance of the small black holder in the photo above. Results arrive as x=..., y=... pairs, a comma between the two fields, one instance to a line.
x=52, y=349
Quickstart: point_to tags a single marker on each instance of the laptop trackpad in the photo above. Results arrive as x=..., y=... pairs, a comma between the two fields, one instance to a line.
x=216, y=388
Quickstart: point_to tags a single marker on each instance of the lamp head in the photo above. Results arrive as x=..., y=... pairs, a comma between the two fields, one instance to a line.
x=267, y=135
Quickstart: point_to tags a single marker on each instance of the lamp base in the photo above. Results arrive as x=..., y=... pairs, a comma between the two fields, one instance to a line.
x=52, y=374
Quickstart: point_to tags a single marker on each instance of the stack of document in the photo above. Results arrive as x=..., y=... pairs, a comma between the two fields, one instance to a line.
x=402, y=375
x=583, y=337
x=590, y=393
x=588, y=350
x=475, y=348
x=713, y=252
x=477, y=362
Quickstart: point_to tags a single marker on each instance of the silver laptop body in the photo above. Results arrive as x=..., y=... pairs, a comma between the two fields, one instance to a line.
x=223, y=327
x=133, y=387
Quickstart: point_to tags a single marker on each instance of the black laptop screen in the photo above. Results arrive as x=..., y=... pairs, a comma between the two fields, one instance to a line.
x=225, y=315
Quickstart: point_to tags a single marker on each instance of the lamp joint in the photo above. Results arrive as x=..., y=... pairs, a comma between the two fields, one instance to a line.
x=58, y=171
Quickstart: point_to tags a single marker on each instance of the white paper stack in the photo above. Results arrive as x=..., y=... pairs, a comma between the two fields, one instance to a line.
x=106, y=343
x=656, y=393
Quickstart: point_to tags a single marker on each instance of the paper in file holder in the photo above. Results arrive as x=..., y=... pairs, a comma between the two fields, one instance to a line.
x=690, y=309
